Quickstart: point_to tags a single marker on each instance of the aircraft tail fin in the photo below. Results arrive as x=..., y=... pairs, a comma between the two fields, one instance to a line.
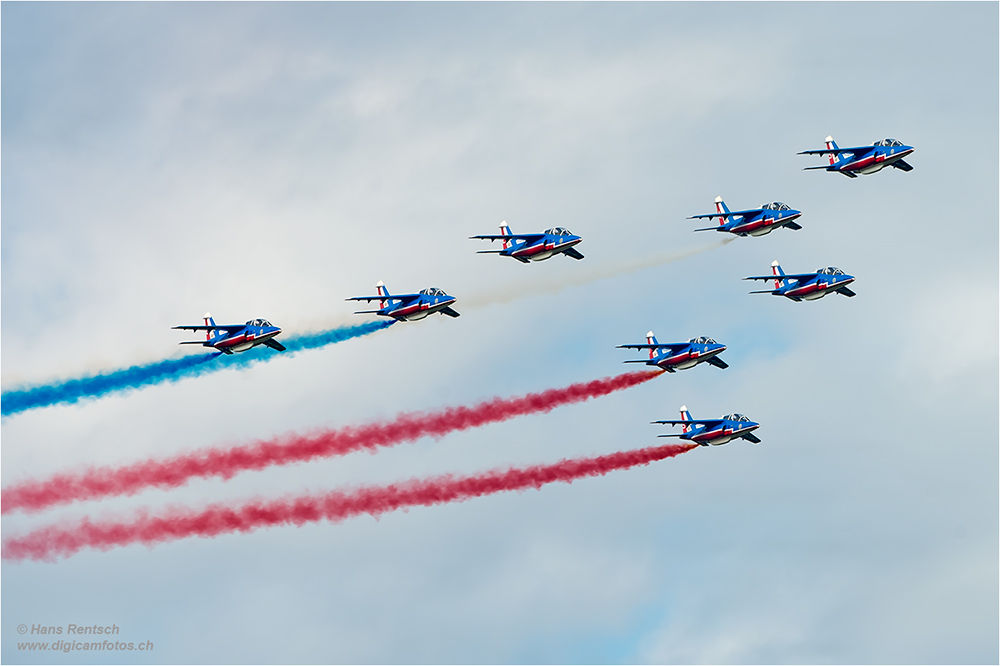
x=778, y=272
x=210, y=321
x=651, y=340
x=685, y=416
x=505, y=231
x=382, y=291
x=721, y=207
x=832, y=145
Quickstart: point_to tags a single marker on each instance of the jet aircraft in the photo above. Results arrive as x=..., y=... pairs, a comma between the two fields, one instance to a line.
x=753, y=221
x=680, y=355
x=235, y=337
x=864, y=159
x=714, y=431
x=806, y=286
x=409, y=307
x=533, y=247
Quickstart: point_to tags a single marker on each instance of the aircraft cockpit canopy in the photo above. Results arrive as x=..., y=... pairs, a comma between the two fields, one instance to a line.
x=888, y=142
x=433, y=291
x=830, y=270
x=258, y=322
x=735, y=417
x=701, y=340
x=776, y=205
x=558, y=231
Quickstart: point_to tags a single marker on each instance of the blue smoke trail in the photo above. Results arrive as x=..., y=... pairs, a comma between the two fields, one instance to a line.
x=172, y=370
x=303, y=342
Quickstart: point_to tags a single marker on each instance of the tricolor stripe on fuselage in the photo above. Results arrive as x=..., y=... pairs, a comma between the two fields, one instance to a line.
x=543, y=247
x=721, y=433
x=245, y=338
x=422, y=308
x=881, y=159
x=763, y=222
x=689, y=355
x=817, y=286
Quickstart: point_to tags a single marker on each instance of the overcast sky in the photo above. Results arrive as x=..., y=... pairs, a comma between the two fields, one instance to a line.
x=270, y=160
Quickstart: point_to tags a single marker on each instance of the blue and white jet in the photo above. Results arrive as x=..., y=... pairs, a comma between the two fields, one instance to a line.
x=864, y=159
x=806, y=286
x=714, y=431
x=409, y=307
x=752, y=221
x=675, y=356
x=533, y=247
x=235, y=337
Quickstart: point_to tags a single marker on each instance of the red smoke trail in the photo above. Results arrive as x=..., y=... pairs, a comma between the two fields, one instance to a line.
x=100, y=482
x=178, y=523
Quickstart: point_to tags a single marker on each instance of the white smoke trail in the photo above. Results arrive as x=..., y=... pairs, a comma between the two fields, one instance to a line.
x=509, y=292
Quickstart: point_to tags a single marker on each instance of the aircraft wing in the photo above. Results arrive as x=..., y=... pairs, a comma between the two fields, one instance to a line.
x=671, y=346
x=571, y=252
x=449, y=312
x=798, y=276
x=228, y=329
x=905, y=166
x=530, y=238
x=732, y=213
x=793, y=225
x=718, y=362
x=395, y=297
x=836, y=151
x=706, y=422
x=274, y=344
x=847, y=292
x=750, y=437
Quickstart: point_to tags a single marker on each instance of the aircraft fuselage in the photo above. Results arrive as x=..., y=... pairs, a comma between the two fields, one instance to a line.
x=762, y=226
x=543, y=250
x=723, y=434
x=687, y=359
x=814, y=290
x=243, y=341
x=874, y=162
x=419, y=310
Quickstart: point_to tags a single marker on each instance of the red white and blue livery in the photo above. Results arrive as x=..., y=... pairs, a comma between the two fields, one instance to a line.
x=752, y=221
x=714, y=431
x=233, y=338
x=534, y=247
x=409, y=307
x=673, y=356
x=806, y=286
x=864, y=159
